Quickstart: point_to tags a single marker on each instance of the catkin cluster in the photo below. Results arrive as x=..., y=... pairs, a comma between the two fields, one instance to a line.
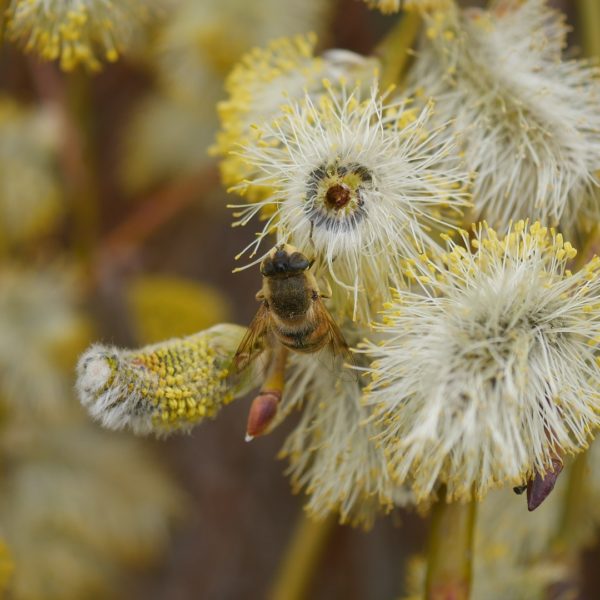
x=438, y=212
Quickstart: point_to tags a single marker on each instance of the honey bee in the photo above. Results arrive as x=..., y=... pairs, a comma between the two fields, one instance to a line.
x=291, y=310
x=292, y=316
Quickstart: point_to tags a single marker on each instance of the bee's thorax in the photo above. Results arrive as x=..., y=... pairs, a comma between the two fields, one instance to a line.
x=289, y=298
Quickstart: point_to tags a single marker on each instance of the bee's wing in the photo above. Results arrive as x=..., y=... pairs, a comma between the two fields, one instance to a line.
x=252, y=343
x=336, y=341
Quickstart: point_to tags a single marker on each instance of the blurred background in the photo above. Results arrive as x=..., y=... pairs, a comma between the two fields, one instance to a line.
x=114, y=227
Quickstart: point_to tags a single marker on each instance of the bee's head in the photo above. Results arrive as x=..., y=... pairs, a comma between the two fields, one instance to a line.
x=284, y=260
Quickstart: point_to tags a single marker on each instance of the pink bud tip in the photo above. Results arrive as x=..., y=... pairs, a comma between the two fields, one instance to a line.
x=262, y=412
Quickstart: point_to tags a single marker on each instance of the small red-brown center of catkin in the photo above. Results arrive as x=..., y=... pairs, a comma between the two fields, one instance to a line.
x=337, y=196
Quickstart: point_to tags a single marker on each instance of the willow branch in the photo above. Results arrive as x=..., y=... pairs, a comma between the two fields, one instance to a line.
x=394, y=50
x=160, y=208
x=449, y=568
x=301, y=558
x=589, y=19
x=69, y=97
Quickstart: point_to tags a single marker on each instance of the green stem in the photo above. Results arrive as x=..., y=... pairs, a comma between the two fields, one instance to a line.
x=591, y=248
x=394, y=50
x=571, y=534
x=301, y=558
x=589, y=20
x=450, y=550
x=568, y=536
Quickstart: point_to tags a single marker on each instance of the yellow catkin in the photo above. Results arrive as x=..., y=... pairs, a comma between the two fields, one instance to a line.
x=166, y=306
x=256, y=87
x=30, y=194
x=6, y=567
x=393, y=6
x=85, y=33
x=167, y=386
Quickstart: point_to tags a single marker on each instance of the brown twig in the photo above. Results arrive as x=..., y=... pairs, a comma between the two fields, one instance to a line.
x=146, y=219
x=158, y=209
x=67, y=96
x=118, y=247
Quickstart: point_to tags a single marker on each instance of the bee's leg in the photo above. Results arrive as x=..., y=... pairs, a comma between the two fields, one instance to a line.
x=260, y=295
